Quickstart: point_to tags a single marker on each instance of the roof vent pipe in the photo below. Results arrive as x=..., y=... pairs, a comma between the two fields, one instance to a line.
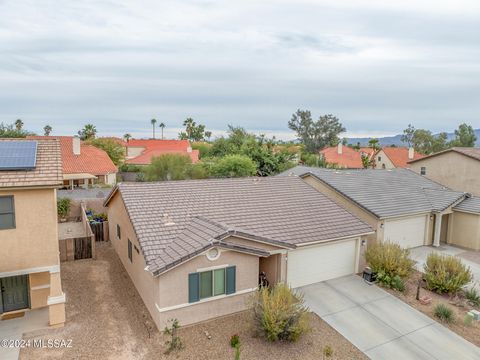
x=76, y=145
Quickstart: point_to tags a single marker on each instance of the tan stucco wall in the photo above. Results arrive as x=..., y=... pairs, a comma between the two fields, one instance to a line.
x=34, y=241
x=385, y=160
x=39, y=289
x=453, y=170
x=465, y=230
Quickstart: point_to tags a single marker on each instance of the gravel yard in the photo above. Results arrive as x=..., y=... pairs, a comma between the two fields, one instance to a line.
x=106, y=319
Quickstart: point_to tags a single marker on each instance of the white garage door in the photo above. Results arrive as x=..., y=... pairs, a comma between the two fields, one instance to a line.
x=321, y=262
x=407, y=233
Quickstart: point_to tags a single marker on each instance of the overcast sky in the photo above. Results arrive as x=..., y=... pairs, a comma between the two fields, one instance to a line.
x=376, y=64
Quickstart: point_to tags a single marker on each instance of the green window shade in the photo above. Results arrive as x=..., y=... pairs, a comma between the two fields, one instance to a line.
x=206, y=284
x=193, y=283
x=231, y=280
x=219, y=282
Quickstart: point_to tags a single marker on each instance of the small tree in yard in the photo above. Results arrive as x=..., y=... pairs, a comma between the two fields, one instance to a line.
x=63, y=207
x=175, y=342
x=234, y=166
x=280, y=314
x=168, y=167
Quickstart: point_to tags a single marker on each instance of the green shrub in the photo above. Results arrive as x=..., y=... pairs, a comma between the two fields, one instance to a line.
x=467, y=320
x=280, y=314
x=174, y=342
x=444, y=313
x=327, y=351
x=63, y=206
x=234, y=340
x=472, y=296
x=391, y=263
x=446, y=273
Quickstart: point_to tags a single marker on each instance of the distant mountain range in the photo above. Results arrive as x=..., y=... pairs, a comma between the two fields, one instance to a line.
x=395, y=140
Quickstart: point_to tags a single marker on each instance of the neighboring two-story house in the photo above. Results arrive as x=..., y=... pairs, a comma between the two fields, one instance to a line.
x=30, y=173
x=394, y=157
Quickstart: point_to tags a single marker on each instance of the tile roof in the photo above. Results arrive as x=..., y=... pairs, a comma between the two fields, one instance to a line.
x=284, y=210
x=349, y=158
x=399, y=156
x=385, y=193
x=47, y=172
x=91, y=160
x=471, y=204
x=153, y=148
x=471, y=152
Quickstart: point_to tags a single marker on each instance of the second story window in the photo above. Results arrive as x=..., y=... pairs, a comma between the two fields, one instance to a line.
x=379, y=158
x=119, y=234
x=7, y=213
x=423, y=170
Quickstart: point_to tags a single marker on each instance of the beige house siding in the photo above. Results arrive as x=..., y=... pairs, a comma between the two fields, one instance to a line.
x=464, y=230
x=454, y=170
x=32, y=248
x=385, y=160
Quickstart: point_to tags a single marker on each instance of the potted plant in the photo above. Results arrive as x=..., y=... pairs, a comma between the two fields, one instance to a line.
x=63, y=207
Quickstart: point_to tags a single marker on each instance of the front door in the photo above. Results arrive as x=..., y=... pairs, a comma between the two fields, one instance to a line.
x=14, y=293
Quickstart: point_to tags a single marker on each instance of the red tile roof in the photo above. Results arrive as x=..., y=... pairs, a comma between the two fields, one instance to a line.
x=91, y=160
x=154, y=148
x=349, y=158
x=399, y=156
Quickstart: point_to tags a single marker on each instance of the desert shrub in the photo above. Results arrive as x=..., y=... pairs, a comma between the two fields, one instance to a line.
x=63, y=206
x=174, y=342
x=327, y=351
x=280, y=314
x=235, y=344
x=391, y=263
x=444, y=313
x=468, y=320
x=472, y=296
x=446, y=273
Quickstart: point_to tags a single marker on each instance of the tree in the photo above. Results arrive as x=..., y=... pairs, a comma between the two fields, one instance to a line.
x=408, y=135
x=315, y=135
x=425, y=142
x=162, y=126
x=234, y=166
x=19, y=124
x=464, y=136
x=193, y=131
x=366, y=161
x=168, y=167
x=10, y=131
x=153, y=122
x=208, y=135
x=47, y=129
x=127, y=137
x=114, y=150
x=88, y=132
x=374, y=144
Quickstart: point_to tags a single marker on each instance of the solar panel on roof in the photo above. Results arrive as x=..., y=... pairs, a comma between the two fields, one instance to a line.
x=18, y=155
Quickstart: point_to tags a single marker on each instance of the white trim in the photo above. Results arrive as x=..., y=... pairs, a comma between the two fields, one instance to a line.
x=274, y=252
x=213, y=298
x=40, y=287
x=53, y=300
x=51, y=269
x=219, y=252
x=213, y=268
x=351, y=237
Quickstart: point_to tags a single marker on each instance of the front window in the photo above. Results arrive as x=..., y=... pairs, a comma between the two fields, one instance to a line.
x=212, y=283
x=423, y=170
x=7, y=213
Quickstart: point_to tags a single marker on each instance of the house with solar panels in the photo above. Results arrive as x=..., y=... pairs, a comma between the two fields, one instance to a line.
x=30, y=283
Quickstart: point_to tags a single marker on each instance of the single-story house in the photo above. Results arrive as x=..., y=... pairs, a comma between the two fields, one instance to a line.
x=346, y=157
x=194, y=249
x=141, y=151
x=394, y=157
x=457, y=168
x=83, y=164
x=402, y=206
x=30, y=173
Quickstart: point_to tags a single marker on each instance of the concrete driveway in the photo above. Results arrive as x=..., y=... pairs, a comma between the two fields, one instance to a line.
x=469, y=257
x=382, y=326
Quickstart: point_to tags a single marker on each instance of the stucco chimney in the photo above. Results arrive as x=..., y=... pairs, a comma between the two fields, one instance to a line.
x=411, y=153
x=76, y=145
x=340, y=148
x=189, y=149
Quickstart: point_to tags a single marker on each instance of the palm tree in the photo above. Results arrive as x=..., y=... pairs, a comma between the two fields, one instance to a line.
x=153, y=122
x=88, y=132
x=162, y=126
x=127, y=137
x=47, y=129
x=18, y=124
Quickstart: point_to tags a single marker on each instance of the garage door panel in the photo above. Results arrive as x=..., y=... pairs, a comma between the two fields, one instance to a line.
x=407, y=233
x=319, y=263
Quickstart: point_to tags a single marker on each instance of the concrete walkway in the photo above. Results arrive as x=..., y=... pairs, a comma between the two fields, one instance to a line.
x=14, y=329
x=382, y=326
x=469, y=257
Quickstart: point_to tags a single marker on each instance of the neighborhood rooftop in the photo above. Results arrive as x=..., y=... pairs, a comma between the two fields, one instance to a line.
x=278, y=210
x=472, y=152
x=47, y=169
x=471, y=205
x=385, y=193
